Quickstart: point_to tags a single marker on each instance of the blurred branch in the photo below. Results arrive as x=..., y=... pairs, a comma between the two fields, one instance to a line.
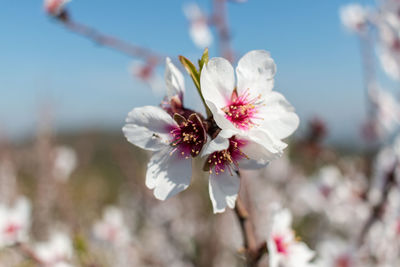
x=28, y=253
x=377, y=209
x=112, y=42
x=220, y=21
x=253, y=251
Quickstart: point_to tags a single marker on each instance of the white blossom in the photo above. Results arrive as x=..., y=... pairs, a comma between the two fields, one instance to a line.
x=174, y=141
x=250, y=107
x=198, y=25
x=65, y=162
x=354, y=17
x=112, y=228
x=56, y=252
x=14, y=222
x=284, y=249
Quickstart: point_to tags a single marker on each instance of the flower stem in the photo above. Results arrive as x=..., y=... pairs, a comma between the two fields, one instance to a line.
x=28, y=253
x=253, y=251
x=377, y=210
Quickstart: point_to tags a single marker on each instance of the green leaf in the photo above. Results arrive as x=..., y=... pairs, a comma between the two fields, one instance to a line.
x=195, y=74
x=204, y=59
x=191, y=69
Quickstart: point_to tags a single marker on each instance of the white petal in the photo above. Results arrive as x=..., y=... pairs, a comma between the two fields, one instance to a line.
x=22, y=211
x=168, y=173
x=224, y=189
x=278, y=116
x=255, y=71
x=301, y=254
x=174, y=80
x=217, y=81
x=221, y=142
x=262, y=146
x=148, y=127
x=220, y=119
x=251, y=164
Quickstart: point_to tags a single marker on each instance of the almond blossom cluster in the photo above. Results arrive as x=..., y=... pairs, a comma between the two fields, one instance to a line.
x=244, y=128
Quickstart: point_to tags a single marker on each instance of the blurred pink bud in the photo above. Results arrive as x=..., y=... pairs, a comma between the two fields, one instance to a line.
x=55, y=7
x=146, y=73
x=317, y=129
x=112, y=227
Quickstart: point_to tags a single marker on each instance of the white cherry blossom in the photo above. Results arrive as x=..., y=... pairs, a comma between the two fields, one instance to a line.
x=250, y=107
x=174, y=140
x=225, y=154
x=14, y=222
x=65, y=162
x=56, y=252
x=112, y=227
x=198, y=26
x=174, y=143
x=354, y=17
x=284, y=249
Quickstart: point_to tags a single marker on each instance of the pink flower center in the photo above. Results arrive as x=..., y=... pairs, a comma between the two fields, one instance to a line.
x=342, y=261
x=112, y=233
x=53, y=6
x=325, y=190
x=11, y=229
x=222, y=160
x=189, y=137
x=281, y=245
x=242, y=110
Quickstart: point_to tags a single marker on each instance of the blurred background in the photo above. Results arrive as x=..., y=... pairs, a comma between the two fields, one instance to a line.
x=91, y=87
x=65, y=96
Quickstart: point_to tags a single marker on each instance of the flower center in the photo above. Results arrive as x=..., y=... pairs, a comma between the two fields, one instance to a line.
x=228, y=158
x=281, y=245
x=242, y=110
x=11, y=229
x=342, y=261
x=189, y=137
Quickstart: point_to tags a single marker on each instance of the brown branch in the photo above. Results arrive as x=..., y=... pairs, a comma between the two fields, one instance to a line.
x=28, y=253
x=112, y=42
x=253, y=251
x=378, y=209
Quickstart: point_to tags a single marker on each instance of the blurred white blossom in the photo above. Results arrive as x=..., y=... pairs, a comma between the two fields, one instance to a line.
x=65, y=162
x=284, y=249
x=198, y=25
x=354, y=17
x=15, y=221
x=112, y=228
x=56, y=252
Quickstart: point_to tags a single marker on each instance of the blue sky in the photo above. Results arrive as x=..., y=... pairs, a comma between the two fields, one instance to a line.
x=319, y=67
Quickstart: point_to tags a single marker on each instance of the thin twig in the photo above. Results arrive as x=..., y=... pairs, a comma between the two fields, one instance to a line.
x=377, y=210
x=28, y=253
x=113, y=42
x=253, y=251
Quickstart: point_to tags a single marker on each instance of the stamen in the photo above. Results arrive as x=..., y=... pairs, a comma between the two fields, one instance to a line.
x=242, y=110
